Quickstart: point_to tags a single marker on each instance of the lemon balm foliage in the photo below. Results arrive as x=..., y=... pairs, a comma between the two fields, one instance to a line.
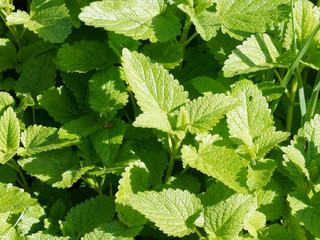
x=159, y=119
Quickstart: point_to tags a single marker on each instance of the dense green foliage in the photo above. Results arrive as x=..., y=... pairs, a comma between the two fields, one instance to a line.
x=159, y=119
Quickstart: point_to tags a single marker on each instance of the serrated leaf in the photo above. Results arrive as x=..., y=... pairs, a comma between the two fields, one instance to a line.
x=256, y=53
x=271, y=90
x=275, y=232
x=43, y=236
x=203, y=113
x=36, y=139
x=311, y=130
x=119, y=41
x=6, y=100
x=74, y=8
x=166, y=28
x=227, y=218
x=112, y=231
x=7, y=174
x=59, y=168
x=260, y=174
x=172, y=211
x=84, y=217
x=60, y=104
x=306, y=211
x=49, y=19
x=136, y=19
x=14, y=199
x=219, y=162
x=255, y=222
x=84, y=56
x=81, y=127
x=107, y=141
x=107, y=92
x=306, y=17
x=30, y=217
x=8, y=54
x=9, y=135
x=154, y=87
x=38, y=75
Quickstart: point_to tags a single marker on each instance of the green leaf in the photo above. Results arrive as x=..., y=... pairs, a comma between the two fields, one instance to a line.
x=275, y=232
x=311, y=130
x=154, y=87
x=107, y=92
x=9, y=135
x=137, y=19
x=118, y=41
x=251, y=123
x=36, y=139
x=306, y=211
x=219, y=162
x=259, y=52
x=107, y=141
x=7, y=174
x=166, y=28
x=60, y=104
x=207, y=84
x=271, y=90
x=173, y=211
x=30, y=218
x=14, y=199
x=74, y=8
x=49, y=19
x=88, y=215
x=8, y=54
x=203, y=113
x=84, y=56
x=226, y=219
x=43, y=236
x=59, y=168
x=168, y=54
x=306, y=17
x=255, y=222
x=81, y=127
x=260, y=174
x=38, y=75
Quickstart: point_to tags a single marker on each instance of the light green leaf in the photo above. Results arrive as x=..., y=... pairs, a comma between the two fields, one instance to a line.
x=137, y=19
x=8, y=54
x=166, y=28
x=255, y=222
x=226, y=219
x=84, y=56
x=306, y=211
x=38, y=75
x=112, y=231
x=203, y=113
x=14, y=199
x=59, y=168
x=219, y=162
x=271, y=90
x=154, y=87
x=107, y=92
x=107, y=141
x=168, y=54
x=84, y=217
x=256, y=53
x=311, y=130
x=275, y=232
x=81, y=127
x=118, y=41
x=173, y=211
x=135, y=178
x=6, y=100
x=43, y=236
x=30, y=217
x=260, y=174
x=37, y=139
x=49, y=19
x=60, y=104
x=9, y=135
x=306, y=17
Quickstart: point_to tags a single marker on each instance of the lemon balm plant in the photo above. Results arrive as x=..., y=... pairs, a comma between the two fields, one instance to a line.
x=159, y=119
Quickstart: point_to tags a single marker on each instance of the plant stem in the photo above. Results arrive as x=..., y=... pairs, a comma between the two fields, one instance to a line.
x=313, y=99
x=291, y=105
x=198, y=233
x=302, y=99
x=34, y=116
x=133, y=101
x=173, y=151
x=23, y=182
x=190, y=39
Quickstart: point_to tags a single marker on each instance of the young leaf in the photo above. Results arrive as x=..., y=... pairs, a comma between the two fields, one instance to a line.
x=6, y=100
x=275, y=232
x=60, y=104
x=256, y=53
x=107, y=92
x=60, y=168
x=37, y=139
x=203, y=113
x=255, y=222
x=9, y=135
x=107, y=141
x=173, y=211
x=219, y=162
x=8, y=54
x=137, y=19
x=14, y=199
x=38, y=75
x=49, y=19
x=226, y=219
x=86, y=216
x=84, y=56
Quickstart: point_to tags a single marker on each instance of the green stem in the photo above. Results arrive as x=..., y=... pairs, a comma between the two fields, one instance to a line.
x=313, y=99
x=290, y=108
x=198, y=233
x=34, y=116
x=294, y=65
x=23, y=181
x=173, y=151
x=190, y=39
x=133, y=101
